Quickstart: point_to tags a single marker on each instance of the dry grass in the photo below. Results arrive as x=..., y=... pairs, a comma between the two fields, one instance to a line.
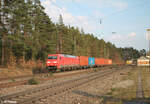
x=13, y=72
x=146, y=81
x=126, y=88
x=22, y=69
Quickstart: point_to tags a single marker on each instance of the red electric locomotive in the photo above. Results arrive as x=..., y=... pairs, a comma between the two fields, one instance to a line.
x=62, y=61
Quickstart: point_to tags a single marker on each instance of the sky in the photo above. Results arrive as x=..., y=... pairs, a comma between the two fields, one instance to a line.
x=121, y=22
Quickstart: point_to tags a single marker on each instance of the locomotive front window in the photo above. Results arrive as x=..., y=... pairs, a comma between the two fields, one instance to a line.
x=52, y=57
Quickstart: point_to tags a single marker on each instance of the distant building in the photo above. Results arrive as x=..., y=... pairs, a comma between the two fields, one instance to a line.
x=143, y=61
x=148, y=57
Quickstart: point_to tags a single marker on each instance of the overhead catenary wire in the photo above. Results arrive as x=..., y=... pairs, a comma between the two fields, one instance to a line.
x=100, y=20
x=107, y=16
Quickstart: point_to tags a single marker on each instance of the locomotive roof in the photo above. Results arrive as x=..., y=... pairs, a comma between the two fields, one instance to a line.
x=64, y=55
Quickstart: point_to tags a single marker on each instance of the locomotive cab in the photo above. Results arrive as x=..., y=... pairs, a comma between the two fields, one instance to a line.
x=52, y=61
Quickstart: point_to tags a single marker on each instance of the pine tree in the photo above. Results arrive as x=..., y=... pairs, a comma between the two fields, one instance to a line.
x=29, y=33
x=61, y=23
x=61, y=34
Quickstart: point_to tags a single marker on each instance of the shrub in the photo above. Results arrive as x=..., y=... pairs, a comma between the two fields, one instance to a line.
x=33, y=81
x=13, y=80
x=37, y=70
x=113, y=89
x=51, y=73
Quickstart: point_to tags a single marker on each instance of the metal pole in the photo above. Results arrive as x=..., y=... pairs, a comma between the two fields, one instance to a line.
x=148, y=31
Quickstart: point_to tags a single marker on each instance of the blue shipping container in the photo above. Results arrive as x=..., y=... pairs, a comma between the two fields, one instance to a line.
x=91, y=61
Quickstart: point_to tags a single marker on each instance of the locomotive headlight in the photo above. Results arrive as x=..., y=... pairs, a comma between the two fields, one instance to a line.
x=55, y=62
x=48, y=62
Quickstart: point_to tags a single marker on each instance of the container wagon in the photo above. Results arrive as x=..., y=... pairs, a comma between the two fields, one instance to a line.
x=108, y=62
x=102, y=62
x=83, y=61
x=91, y=61
x=99, y=62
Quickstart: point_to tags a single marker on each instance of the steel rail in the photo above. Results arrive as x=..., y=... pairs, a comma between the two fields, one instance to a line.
x=33, y=95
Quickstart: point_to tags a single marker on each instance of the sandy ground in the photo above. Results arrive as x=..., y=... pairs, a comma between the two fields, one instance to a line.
x=89, y=93
x=123, y=84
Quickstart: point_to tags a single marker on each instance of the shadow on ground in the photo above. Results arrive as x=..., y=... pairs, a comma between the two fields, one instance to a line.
x=107, y=99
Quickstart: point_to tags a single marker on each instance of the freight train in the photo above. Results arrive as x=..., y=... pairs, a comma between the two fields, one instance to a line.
x=69, y=62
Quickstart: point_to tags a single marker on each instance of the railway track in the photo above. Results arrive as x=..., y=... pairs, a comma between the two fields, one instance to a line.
x=14, y=82
x=11, y=84
x=22, y=80
x=27, y=76
x=35, y=95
